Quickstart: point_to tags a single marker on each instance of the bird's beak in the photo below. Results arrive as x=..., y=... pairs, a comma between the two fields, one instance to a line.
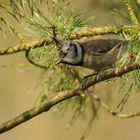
x=58, y=62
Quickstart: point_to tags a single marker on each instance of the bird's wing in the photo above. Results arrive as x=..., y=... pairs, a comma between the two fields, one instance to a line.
x=98, y=46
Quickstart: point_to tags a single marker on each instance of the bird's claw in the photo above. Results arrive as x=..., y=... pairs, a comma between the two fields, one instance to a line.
x=84, y=80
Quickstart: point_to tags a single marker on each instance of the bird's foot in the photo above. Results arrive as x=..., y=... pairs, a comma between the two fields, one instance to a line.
x=85, y=79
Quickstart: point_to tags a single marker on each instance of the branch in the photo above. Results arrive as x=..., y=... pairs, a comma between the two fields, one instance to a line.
x=25, y=46
x=42, y=107
x=46, y=105
x=94, y=31
x=117, y=72
x=74, y=35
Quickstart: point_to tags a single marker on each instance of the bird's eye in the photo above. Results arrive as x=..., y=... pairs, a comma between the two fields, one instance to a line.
x=64, y=54
x=69, y=50
x=71, y=44
x=73, y=47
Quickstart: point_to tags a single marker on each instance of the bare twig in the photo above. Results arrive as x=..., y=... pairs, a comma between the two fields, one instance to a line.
x=114, y=113
x=32, y=62
x=46, y=105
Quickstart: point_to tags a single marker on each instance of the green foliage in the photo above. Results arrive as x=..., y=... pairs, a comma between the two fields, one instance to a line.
x=131, y=33
x=59, y=15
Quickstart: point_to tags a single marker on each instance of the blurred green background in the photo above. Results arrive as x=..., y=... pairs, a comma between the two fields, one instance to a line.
x=16, y=83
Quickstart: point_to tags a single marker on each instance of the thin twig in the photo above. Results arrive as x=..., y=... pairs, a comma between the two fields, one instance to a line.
x=32, y=62
x=114, y=113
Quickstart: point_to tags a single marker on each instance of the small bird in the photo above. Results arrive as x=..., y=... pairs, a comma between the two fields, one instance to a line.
x=95, y=54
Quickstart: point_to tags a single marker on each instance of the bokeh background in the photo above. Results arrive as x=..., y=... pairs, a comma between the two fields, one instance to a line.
x=15, y=84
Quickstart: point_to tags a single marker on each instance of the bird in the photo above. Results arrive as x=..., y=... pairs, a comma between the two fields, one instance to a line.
x=95, y=54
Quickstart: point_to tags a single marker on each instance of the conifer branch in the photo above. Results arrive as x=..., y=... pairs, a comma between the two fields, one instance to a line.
x=49, y=103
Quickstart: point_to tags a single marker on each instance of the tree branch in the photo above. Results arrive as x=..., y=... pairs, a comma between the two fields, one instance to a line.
x=46, y=105
x=42, y=107
x=25, y=46
x=74, y=35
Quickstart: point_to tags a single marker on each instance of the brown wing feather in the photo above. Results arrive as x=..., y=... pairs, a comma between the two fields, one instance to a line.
x=101, y=45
